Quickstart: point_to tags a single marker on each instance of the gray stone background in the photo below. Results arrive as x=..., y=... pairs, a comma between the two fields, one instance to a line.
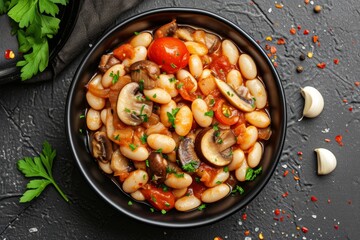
x=32, y=113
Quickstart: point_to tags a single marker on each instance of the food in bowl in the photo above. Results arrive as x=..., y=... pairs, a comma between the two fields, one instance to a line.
x=179, y=115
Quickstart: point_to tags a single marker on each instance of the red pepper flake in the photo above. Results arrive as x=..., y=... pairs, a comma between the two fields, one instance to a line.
x=281, y=41
x=276, y=64
x=299, y=153
x=296, y=178
x=247, y=232
x=349, y=202
x=244, y=216
x=357, y=84
x=350, y=109
x=279, y=5
x=292, y=31
x=281, y=219
x=306, y=1
x=277, y=212
x=304, y=229
x=284, y=195
x=345, y=100
x=9, y=54
x=336, y=60
x=313, y=199
x=329, y=201
x=286, y=172
x=299, y=27
x=327, y=140
x=267, y=47
x=306, y=32
x=218, y=238
x=321, y=65
x=336, y=227
x=273, y=49
x=338, y=139
x=315, y=38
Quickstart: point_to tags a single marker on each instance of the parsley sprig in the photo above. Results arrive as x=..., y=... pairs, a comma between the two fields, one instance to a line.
x=36, y=23
x=251, y=173
x=40, y=166
x=171, y=116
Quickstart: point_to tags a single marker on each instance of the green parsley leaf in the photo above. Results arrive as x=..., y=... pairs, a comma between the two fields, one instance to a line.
x=154, y=96
x=82, y=116
x=179, y=175
x=152, y=210
x=212, y=102
x=163, y=211
x=251, y=174
x=167, y=204
x=40, y=166
x=209, y=113
x=173, y=79
x=143, y=139
x=127, y=110
x=216, y=127
x=141, y=85
x=173, y=65
x=115, y=77
x=136, y=33
x=190, y=166
x=179, y=85
x=218, y=182
x=158, y=150
x=117, y=137
x=132, y=146
x=170, y=170
x=130, y=203
x=171, y=116
x=201, y=207
x=226, y=169
x=147, y=163
x=238, y=189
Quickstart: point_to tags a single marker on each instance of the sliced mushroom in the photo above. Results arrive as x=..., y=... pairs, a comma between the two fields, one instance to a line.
x=166, y=30
x=101, y=147
x=120, y=165
x=132, y=107
x=241, y=101
x=212, y=42
x=187, y=155
x=215, y=146
x=107, y=61
x=157, y=168
x=146, y=71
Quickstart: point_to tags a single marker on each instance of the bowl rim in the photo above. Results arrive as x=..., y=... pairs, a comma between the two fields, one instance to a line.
x=282, y=128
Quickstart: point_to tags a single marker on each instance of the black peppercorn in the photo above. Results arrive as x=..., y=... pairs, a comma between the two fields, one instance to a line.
x=302, y=57
x=299, y=69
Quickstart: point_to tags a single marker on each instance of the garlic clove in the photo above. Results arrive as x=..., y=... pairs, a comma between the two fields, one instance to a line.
x=326, y=161
x=314, y=102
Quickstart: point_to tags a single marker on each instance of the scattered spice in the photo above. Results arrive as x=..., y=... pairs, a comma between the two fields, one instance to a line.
x=350, y=109
x=327, y=140
x=286, y=172
x=276, y=64
x=357, y=84
x=306, y=32
x=261, y=236
x=338, y=139
x=292, y=31
x=272, y=49
x=299, y=69
x=299, y=153
x=284, y=195
x=321, y=65
x=299, y=27
x=336, y=61
x=304, y=229
x=315, y=38
x=310, y=54
x=244, y=216
x=218, y=238
x=296, y=178
x=247, y=232
x=279, y=5
x=9, y=54
x=313, y=199
x=268, y=38
x=281, y=41
x=302, y=57
x=336, y=227
x=277, y=212
x=317, y=9
x=306, y=1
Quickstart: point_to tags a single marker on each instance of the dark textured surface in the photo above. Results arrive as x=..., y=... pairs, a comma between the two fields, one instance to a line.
x=30, y=114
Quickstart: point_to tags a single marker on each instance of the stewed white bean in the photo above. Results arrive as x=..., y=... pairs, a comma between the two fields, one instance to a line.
x=168, y=83
x=116, y=70
x=164, y=110
x=250, y=137
x=135, y=180
x=259, y=119
x=93, y=119
x=178, y=180
x=238, y=158
x=136, y=153
x=105, y=167
x=187, y=203
x=143, y=39
x=257, y=89
x=247, y=66
x=195, y=66
x=196, y=48
x=95, y=102
x=158, y=95
x=234, y=79
x=230, y=51
x=216, y=193
x=220, y=177
x=201, y=112
x=160, y=141
x=183, y=121
x=254, y=155
x=137, y=195
x=240, y=173
x=178, y=193
x=182, y=74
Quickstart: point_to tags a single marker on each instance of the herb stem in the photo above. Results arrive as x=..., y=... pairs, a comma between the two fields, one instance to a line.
x=59, y=190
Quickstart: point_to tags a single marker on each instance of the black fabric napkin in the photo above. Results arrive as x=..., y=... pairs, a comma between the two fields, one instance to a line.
x=95, y=17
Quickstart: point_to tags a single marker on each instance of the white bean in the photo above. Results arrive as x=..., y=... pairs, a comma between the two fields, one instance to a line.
x=158, y=95
x=200, y=109
x=103, y=115
x=135, y=180
x=259, y=119
x=187, y=203
x=168, y=83
x=160, y=141
x=178, y=182
x=138, y=154
x=164, y=109
x=196, y=48
x=137, y=195
x=157, y=128
x=143, y=39
x=247, y=66
x=105, y=167
x=182, y=74
x=249, y=138
x=238, y=158
x=230, y=50
x=183, y=121
x=215, y=193
x=95, y=102
x=195, y=66
x=140, y=53
x=93, y=119
x=107, y=79
x=205, y=73
x=234, y=79
x=220, y=177
x=257, y=89
x=254, y=155
x=178, y=193
x=240, y=173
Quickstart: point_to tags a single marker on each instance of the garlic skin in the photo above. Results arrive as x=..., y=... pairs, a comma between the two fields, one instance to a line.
x=314, y=102
x=326, y=161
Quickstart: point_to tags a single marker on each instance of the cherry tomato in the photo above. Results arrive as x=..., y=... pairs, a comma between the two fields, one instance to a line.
x=158, y=198
x=221, y=66
x=124, y=51
x=169, y=53
x=225, y=113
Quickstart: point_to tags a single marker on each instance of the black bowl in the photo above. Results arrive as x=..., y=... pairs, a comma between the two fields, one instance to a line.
x=103, y=185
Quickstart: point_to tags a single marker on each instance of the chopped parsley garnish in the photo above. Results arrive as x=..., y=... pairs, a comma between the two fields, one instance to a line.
x=209, y=113
x=170, y=170
x=201, y=207
x=190, y=166
x=216, y=127
x=163, y=211
x=154, y=96
x=132, y=146
x=165, y=188
x=147, y=163
x=179, y=175
x=173, y=79
x=127, y=110
x=117, y=137
x=141, y=85
x=171, y=116
x=226, y=169
x=218, y=182
x=251, y=174
x=130, y=203
x=143, y=139
x=212, y=102
x=179, y=85
x=238, y=189
x=153, y=198
x=82, y=116
x=136, y=33
x=219, y=141
x=152, y=210
x=173, y=65
x=158, y=150
x=197, y=179
x=115, y=77
x=144, y=117
x=167, y=204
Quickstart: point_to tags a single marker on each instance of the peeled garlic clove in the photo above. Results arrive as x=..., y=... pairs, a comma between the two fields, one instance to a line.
x=326, y=161
x=314, y=102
